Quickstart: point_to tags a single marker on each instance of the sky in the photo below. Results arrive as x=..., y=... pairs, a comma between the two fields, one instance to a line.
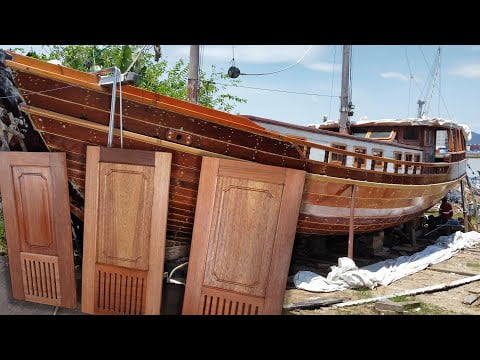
x=387, y=80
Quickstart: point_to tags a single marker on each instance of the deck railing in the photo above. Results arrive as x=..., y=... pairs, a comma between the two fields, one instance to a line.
x=351, y=159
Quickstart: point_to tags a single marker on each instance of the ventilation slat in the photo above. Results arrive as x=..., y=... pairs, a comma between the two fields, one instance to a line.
x=117, y=293
x=39, y=278
x=215, y=303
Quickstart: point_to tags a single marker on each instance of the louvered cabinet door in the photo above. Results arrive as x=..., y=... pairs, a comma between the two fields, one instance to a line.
x=245, y=222
x=126, y=201
x=38, y=230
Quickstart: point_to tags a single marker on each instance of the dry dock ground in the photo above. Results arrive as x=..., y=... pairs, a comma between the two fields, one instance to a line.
x=464, y=264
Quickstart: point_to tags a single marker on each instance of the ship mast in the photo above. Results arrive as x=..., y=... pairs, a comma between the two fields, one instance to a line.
x=345, y=100
x=193, y=72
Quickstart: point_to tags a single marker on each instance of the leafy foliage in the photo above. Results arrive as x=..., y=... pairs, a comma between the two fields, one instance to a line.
x=154, y=76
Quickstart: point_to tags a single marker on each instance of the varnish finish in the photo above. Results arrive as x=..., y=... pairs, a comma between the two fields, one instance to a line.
x=38, y=230
x=125, y=228
x=242, y=238
x=70, y=118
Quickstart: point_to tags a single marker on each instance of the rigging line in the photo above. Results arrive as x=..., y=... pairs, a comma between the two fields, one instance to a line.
x=136, y=58
x=439, y=79
x=350, y=75
x=288, y=67
x=275, y=90
x=434, y=78
x=409, y=91
x=333, y=75
x=36, y=92
x=411, y=72
x=429, y=69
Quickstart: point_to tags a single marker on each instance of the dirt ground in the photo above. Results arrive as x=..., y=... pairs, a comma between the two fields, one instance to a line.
x=437, y=303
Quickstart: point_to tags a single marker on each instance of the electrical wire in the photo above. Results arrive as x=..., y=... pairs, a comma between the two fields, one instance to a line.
x=288, y=67
x=274, y=90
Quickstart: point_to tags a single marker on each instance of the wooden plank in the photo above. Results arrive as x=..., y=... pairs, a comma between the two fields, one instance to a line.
x=448, y=271
x=242, y=238
x=37, y=220
x=126, y=209
x=313, y=303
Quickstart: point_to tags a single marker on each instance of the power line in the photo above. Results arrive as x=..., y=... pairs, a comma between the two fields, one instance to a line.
x=274, y=90
x=288, y=67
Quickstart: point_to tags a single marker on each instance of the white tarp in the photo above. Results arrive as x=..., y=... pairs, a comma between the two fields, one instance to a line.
x=347, y=275
x=409, y=122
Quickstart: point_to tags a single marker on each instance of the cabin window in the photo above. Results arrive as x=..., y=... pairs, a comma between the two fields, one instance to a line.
x=410, y=133
x=378, y=164
x=380, y=134
x=397, y=156
x=417, y=158
x=408, y=157
x=361, y=133
x=359, y=162
x=442, y=140
x=338, y=158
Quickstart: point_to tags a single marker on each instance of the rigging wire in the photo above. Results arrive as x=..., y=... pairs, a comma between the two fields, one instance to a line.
x=441, y=96
x=36, y=92
x=288, y=67
x=411, y=72
x=333, y=75
x=136, y=58
x=274, y=90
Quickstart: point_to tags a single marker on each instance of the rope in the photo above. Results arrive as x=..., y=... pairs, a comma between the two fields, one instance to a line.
x=275, y=90
x=121, y=118
x=333, y=75
x=37, y=92
x=112, y=109
x=288, y=67
x=135, y=60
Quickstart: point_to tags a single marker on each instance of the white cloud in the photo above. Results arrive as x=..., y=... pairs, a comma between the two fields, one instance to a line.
x=394, y=75
x=468, y=70
x=323, y=66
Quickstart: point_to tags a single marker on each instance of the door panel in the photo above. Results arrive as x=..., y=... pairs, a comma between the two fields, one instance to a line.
x=126, y=202
x=38, y=229
x=243, y=236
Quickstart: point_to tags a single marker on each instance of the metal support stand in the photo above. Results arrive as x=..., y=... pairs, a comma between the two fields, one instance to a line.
x=352, y=219
x=465, y=220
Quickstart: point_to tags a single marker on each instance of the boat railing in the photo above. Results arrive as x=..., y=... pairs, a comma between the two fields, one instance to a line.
x=384, y=164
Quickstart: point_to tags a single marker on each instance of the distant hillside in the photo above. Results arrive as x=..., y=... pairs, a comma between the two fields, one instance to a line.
x=475, y=138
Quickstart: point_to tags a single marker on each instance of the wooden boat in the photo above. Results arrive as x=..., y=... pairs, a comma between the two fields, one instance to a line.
x=382, y=174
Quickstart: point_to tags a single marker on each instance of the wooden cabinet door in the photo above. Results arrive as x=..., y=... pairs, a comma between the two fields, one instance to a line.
x=38, y=229
x=245, y=223
x=126, y=202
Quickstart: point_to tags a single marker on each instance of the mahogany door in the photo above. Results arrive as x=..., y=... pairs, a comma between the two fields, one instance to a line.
x=126, y=202
x=243, y=234
x=38, y=229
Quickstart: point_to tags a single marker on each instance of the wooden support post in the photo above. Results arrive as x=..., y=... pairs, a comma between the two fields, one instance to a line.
x=465, y=220
x=352, y=219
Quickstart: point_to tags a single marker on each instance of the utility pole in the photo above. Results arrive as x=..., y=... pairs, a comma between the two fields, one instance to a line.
x=345, y=104
x=193, y=74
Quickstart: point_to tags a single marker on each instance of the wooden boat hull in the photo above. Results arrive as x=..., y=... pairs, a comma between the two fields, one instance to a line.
x=70, y=111
x=326, y=201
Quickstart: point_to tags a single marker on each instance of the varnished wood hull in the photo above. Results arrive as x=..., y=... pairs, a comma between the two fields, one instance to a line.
x=70, y=111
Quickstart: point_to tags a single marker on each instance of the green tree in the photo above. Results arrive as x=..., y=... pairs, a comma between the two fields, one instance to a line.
x=154, y=76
